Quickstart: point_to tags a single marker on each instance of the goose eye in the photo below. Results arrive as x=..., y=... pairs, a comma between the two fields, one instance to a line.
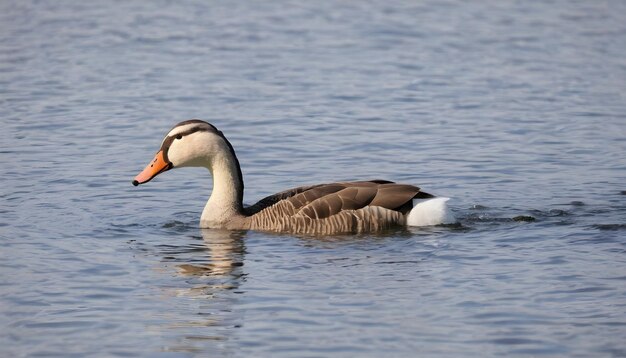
x=179, y=136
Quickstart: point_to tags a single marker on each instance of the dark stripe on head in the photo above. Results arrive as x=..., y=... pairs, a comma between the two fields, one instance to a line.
x=197, y=121
x=202, y=126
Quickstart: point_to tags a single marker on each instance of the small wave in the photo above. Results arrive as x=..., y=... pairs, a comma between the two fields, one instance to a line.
x=610, y=227
x=551, y=213
x=484, y=218
x=176, y=224
x=524, y=218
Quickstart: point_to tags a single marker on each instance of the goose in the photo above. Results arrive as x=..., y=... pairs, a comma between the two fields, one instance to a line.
x=332, y=208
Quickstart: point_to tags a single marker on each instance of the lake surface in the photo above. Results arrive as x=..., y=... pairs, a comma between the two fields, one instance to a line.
x=516, y=110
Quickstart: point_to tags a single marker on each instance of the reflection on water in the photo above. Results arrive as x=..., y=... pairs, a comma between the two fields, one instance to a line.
x=211, y=271
x=224, y=255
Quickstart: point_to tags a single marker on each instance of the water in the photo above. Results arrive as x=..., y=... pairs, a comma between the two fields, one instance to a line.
x=516, y=110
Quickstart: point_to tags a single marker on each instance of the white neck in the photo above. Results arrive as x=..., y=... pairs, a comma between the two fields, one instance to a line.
x=227, y=195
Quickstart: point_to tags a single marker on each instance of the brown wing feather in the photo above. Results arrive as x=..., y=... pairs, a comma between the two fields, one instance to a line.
x=325, y=200
x=351, y=198
x=273, y=199
x=354, y=198
x=313, y=194
x=357, y=195
x=392, y=196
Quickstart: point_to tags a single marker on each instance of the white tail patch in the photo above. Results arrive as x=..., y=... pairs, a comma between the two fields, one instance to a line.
x=427, y=212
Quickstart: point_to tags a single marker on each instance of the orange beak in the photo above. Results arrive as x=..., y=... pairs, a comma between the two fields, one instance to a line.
x=156, y=167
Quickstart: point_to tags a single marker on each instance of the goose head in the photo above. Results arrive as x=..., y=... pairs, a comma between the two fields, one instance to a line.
x=192, y=143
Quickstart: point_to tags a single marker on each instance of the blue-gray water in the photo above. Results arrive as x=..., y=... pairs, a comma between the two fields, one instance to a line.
x=514, y=109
